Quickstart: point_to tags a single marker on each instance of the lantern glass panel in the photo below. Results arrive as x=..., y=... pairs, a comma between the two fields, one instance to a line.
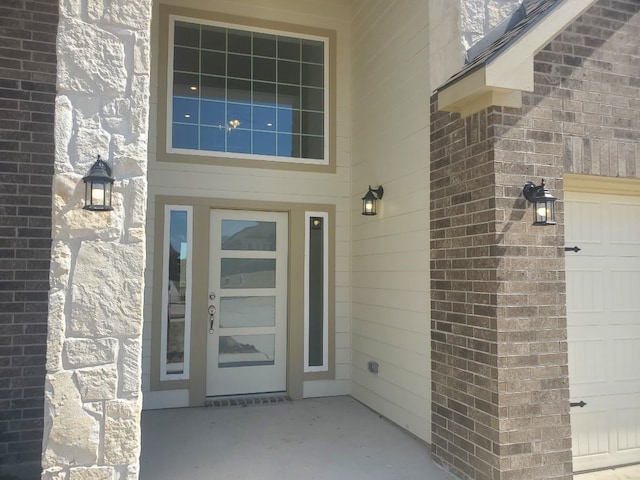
x=368, y=206
x=97, y=193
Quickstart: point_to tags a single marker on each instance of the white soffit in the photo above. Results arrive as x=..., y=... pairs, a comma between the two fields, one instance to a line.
x=502, y=80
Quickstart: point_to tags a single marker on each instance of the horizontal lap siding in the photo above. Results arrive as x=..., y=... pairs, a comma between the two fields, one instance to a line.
x=390, y=319
x=27, y=96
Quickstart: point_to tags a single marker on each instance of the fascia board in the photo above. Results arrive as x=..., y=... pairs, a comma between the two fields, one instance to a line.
x=504, y=78
x=518, y=58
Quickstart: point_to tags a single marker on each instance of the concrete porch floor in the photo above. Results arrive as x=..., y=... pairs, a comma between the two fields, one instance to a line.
x=321, y=439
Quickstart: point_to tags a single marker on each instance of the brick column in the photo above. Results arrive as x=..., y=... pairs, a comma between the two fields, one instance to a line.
x=500, y=405
x=27, y=96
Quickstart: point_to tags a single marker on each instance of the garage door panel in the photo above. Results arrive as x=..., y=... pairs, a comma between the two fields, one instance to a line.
x=626, y=290
x=605, y=432
x=587, y=218
x=587, y=368
x=584, y=291
x=628, y=428
x=608, y=290
x=604, y=360
x=603, y=318
x=624, y=224
x=590, y=435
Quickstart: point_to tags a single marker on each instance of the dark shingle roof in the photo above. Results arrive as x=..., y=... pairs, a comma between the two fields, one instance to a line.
x=499, y=38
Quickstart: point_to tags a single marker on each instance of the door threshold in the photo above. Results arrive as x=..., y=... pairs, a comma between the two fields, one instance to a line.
x=246, y=400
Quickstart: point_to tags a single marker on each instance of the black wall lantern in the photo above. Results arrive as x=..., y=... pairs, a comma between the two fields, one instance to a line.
x=544, y=204
x=370, y=199
x=97, y=187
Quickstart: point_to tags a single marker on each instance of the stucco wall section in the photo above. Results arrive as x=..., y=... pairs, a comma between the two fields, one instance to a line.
x=92, y=398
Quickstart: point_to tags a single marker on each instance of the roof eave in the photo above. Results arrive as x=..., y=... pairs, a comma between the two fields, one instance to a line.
x=503, y=78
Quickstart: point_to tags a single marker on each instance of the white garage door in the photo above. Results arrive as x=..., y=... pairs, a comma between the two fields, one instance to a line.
x=603, y=310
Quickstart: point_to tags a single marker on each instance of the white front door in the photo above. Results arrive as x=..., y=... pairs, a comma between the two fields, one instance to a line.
x=247, y=327
x=603, y=315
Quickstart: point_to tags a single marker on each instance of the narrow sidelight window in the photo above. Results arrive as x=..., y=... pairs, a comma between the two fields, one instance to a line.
x=316, y=293
x=176, y=292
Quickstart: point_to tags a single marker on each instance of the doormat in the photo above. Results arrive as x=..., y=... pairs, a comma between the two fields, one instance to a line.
x=245, y=400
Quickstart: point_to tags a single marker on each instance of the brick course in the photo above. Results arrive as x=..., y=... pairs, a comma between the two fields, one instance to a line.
x=27, y=96
x=500, y=393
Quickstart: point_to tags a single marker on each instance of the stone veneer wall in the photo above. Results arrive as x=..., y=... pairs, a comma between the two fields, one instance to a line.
x=477, y=17
x=93, y=398
x=500, y=402
x=27, y=95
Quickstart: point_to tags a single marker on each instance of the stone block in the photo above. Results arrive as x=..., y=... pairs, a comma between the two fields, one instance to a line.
x=80, y=352
x=91, y=139
x=95, y=10
x=54, y=473
x=122, y=432
x=90, y=60
x=140, y=114
x=116, y=116
x=113, y=271
x=60, y=268
x=63, y=132
x=130, y=367
x=125, y=13
x=130, y=155
x=142, y=53
x=92, y=473
x=56, y=331
x=73, y=434
x=97, y=383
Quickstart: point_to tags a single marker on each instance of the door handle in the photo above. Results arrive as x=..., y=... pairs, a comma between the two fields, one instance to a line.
x=212, y=317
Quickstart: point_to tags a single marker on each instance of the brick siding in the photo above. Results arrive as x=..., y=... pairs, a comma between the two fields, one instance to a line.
x=593, y=67
x=500, y=393
x=500, y=399
x=27, y=96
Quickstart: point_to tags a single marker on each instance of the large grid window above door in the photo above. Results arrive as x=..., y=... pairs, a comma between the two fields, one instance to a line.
x=247, y=94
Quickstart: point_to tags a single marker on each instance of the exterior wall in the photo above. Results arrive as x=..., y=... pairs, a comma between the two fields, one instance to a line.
x=501, y=397
x=263, y=184
x=446, y=48
x=390, y=259
x=92, y=390
x=593, y=68
x=27, y=95
x=500, y=401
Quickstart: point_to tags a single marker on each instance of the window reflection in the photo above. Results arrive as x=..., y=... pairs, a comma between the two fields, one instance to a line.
x=248, y=235
x=177, y=286
x=243, y=72
x=246, y=351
